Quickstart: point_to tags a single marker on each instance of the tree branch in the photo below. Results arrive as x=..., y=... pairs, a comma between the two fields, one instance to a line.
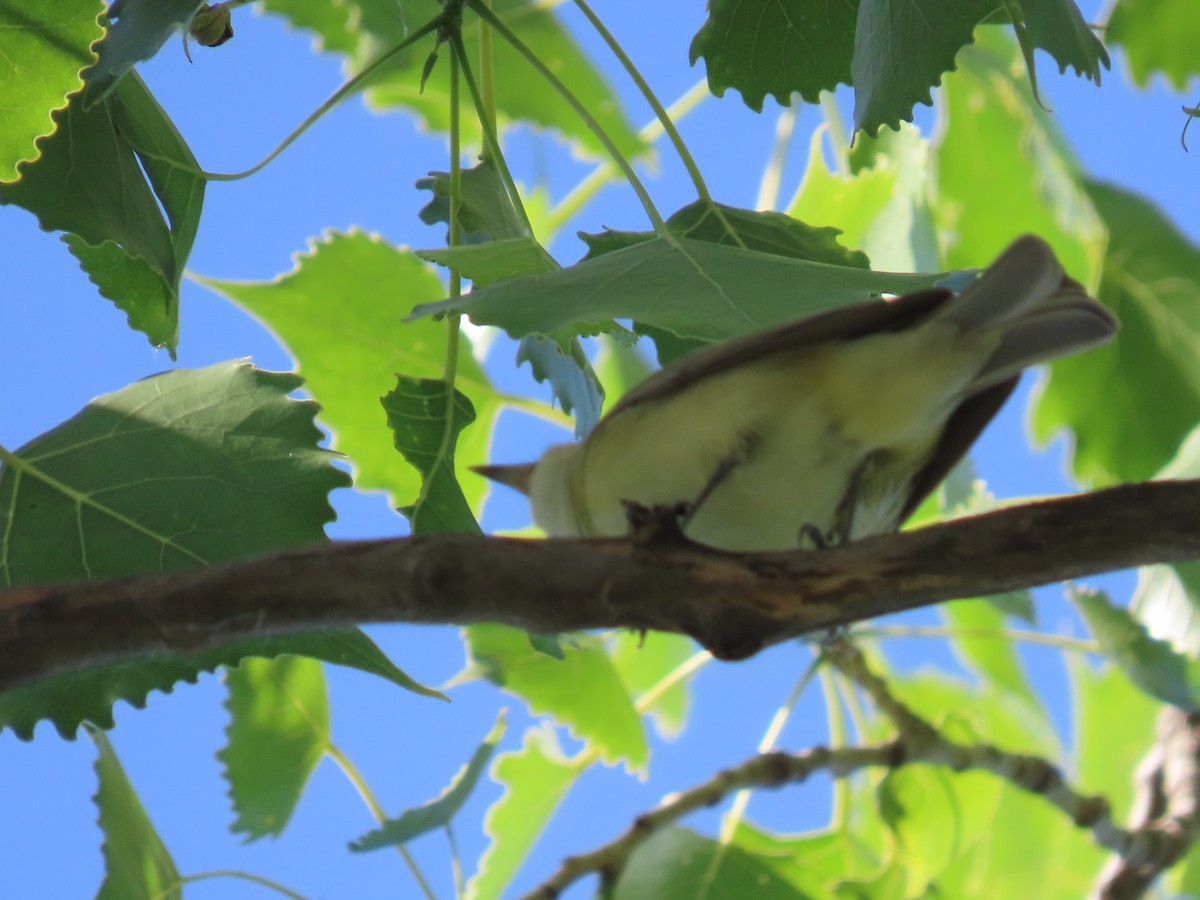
x=916, y=741
x=732, y=604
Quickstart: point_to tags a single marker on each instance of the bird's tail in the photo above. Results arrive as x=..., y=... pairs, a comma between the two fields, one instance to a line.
x=1039, y=312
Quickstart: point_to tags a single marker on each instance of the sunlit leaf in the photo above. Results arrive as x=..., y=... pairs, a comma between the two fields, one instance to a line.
x=582, y=692
x=137, y=865
x=535, y=780
x=278, y=732
x=1158, y=37
x=680, y=863
x=1150, y=373
x=45, y=48
x=340, y=313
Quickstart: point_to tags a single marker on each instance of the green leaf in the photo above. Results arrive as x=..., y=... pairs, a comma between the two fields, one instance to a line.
x=89, y=694
x=643, y=661
x=1151, y=664
x=485, y=211
x=1150, y=281
x=139, y=29
x=493, y=261
x=340, y=313
x=583, y=692
x=89, y=183
x=693, y=289
x=1167, y=600
x=45, y=48
x=676, y=862
x=1058, y=27
x=575, y=385
x=811, y=862
x=1158, y=36
x=137, y=866
x=521, y=94
x=762, y=47
x=437, y=813
x=535, y=780
x=902, y=48
x=1004, y=169
x=884, y=205
x=278, y=732
x=1106, y=757
x=186, y=468
x=426, y=416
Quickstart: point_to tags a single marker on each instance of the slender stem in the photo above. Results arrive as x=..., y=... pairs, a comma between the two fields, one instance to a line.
x=837, y=132
x=660, y=113
x=583, y=192
x=610, y=147
x=837, y=738
x=768, y=188
x=491, y=142
x=238, y=874
x=1061, y=642
x=334, y=99
x=455, y=862
x=487, y=77
x=364, y=790
x=770, y=738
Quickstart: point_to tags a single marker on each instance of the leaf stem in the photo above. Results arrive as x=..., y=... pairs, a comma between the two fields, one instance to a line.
x=837, y=132
x=770, y=738
x=583, y=192
x=481, y=10
x=490, y=141
x=334, y=99
x=768, y=188
x=364, y=790
x=1061, y=642
x=240, y=875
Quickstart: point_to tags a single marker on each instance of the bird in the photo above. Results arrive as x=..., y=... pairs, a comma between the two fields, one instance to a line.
x=822, y=430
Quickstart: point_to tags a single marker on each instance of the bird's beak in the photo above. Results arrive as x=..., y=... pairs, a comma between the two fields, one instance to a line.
x=517, y=477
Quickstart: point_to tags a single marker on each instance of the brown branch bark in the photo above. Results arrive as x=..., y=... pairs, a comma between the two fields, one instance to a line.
x=733, y=604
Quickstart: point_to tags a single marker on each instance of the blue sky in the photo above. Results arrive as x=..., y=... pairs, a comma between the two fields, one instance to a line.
x=62, y=344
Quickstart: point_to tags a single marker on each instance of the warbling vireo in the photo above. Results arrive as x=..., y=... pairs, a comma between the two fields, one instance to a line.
x=833, y=427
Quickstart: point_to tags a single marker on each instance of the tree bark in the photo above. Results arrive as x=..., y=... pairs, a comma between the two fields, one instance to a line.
x=732, y=604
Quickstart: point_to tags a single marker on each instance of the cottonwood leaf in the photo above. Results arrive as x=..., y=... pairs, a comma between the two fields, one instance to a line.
x=137, y=865
x=1151, y=664
x=676, y=862
x=426, y=416
x=88, y=695
x=535, y=778
x=97, y=182
x=1151, y=397
x=583, y=691
x=340, y=314
x=762, y=47
x=693, y=289
x=440, y=812
x=1158, y=37
x=183, y=469
x=1004, y=169
x=277, y=734
x=45, y=47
